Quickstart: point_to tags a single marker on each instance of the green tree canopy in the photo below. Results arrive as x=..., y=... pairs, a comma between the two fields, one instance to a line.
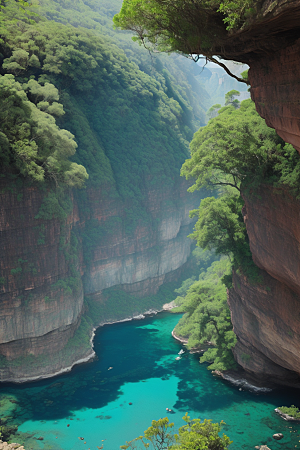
x=207, y=317
x=194, y=435
x=236, y=149
x=187, y=26
x=230, y=100
x=31, y=142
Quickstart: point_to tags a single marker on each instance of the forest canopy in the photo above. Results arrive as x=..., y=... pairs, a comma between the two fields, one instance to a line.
x=30, y=140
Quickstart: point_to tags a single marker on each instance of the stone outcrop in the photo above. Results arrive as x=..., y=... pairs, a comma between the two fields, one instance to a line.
x=266, y=325
x=38, y=315
x=266, y=314
x=45, y=271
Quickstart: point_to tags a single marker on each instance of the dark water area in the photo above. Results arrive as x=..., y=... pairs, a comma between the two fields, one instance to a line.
x=134, y=379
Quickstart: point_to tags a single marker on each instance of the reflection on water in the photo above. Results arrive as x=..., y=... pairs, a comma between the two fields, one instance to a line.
x=135, y=378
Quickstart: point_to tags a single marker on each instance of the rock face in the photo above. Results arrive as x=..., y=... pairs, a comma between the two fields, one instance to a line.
x=266, y=313
x=37, y=316
x=46, y=271
x=154, y=249
x=275, y=88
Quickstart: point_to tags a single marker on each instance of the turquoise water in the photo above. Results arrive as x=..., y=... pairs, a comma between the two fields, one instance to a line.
x=136, y=364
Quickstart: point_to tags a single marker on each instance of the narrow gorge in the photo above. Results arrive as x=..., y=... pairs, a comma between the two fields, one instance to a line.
x=68, y=253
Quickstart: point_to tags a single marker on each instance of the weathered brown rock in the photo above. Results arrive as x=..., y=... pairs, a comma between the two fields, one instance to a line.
x=272, y=221
x=265, y=319
x=266, y=314
x=275, y=88
x=140, y=260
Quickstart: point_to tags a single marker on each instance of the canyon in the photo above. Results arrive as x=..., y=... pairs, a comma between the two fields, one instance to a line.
x=54, y=270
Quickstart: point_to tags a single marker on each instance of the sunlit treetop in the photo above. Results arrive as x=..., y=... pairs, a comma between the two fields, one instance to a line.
x=20, y=9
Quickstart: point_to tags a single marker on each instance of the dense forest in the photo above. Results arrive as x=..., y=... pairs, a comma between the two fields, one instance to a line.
x=79, y=113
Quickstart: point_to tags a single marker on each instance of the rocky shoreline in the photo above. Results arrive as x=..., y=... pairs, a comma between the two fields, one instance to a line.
x=6, y=446
x=238, y=378
x=286, y=416
x=92, y=354
x=184, y=341
x=86, y=359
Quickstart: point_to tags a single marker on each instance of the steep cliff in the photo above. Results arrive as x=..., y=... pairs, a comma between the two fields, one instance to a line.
x=42, y=262
x=39, y=312
x=265, y=35
x=265, y=314
x=156, y=247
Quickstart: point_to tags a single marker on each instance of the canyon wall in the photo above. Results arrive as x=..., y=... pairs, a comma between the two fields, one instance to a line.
x=156, y=247
x=266, y=311
x=275, y=89
x=46, y=273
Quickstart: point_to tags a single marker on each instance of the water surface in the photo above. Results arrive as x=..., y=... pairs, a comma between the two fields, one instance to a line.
x=135, y=378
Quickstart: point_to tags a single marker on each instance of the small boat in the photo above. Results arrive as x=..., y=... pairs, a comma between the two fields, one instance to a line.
x=181, y=352
x=178, y=357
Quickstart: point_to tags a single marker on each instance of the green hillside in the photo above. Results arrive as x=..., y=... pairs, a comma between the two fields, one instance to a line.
x=131, y=114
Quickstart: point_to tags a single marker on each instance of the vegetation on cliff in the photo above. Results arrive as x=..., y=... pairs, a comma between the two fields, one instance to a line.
x=232, y=155
x=235, y=153
x=31, y=142
x=68, y=86
x=79, y=113
x=190, y=27
x=207, y=317
x=130, y=121
x=195, y=434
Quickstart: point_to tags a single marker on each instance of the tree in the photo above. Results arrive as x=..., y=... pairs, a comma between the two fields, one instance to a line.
x=236, y=149
x=158, y=435
x=220, y=225
x=190, y=27
x=207, y=317
x=31, y=142
x=213, y=110
x=230, y=100
x=19, y=9
x=195, y=435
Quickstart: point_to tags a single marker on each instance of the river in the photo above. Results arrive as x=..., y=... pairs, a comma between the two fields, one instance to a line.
x=134, y=379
